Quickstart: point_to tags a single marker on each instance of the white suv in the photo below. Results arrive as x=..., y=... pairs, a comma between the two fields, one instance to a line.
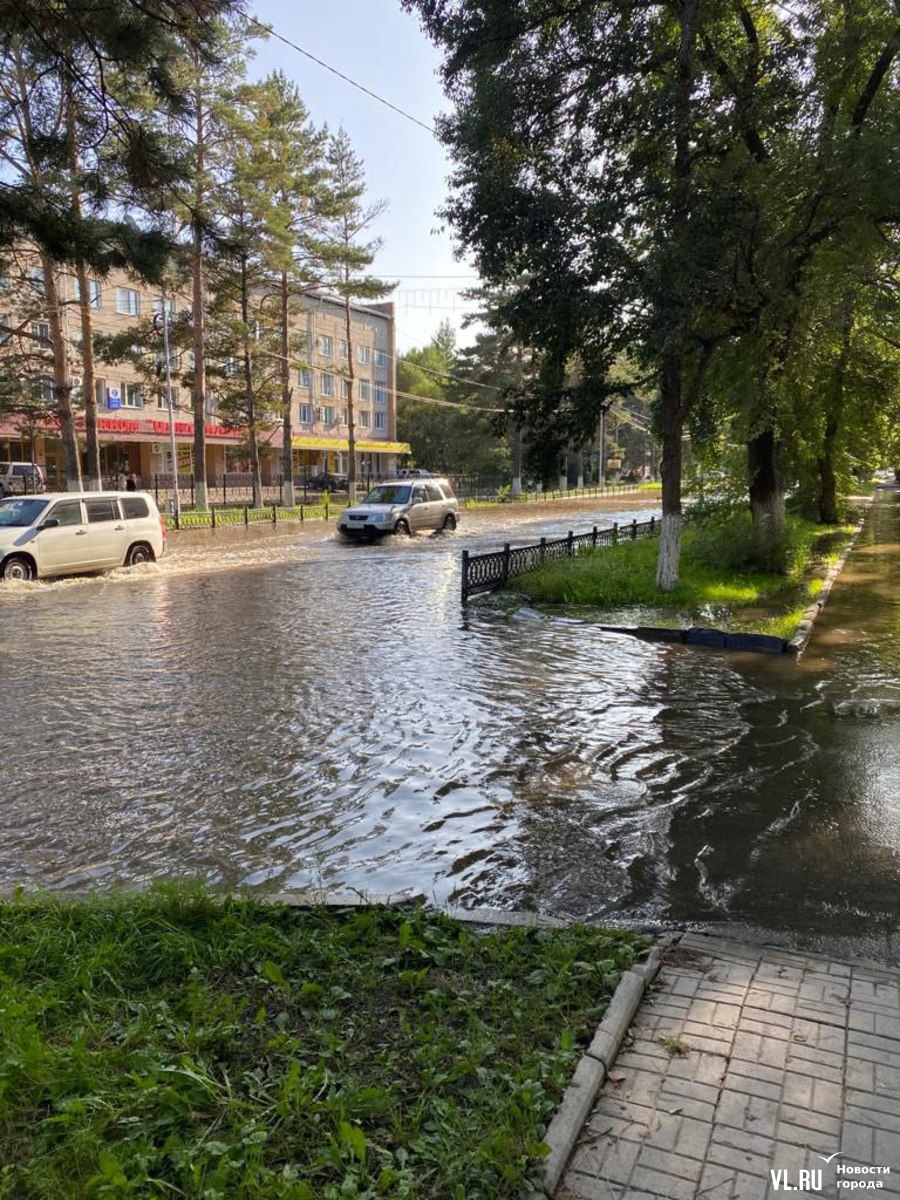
x=22, y=477
x=63, y=533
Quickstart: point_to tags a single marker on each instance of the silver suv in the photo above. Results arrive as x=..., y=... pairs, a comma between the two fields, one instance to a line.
x=19, y=478
x=402, y=506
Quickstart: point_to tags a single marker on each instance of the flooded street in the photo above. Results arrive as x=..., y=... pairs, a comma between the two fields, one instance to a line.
x=278, y=710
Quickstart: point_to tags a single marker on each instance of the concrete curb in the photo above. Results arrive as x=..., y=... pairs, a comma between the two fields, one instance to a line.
x=590, y=1074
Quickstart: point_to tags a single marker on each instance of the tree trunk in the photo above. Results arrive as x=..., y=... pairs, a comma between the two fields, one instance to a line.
x=249, y=395
x=201, y=500
x=766, y=495
x=669, y=558
x=828, y=505
x=517, y=461
x=673, y=404
x=93, y=481
x=62, y=383
x=351, y=428
x=287, y=453
x=92, y=443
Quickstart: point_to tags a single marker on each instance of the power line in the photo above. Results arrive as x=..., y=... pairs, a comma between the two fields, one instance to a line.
x=346, y=78
x=447, y=403
x=490, y=387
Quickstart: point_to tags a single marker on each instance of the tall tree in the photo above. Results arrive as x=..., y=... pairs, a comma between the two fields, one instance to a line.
x=598, y=167
x=347, y=258
x=293, y=193
x=206, y=76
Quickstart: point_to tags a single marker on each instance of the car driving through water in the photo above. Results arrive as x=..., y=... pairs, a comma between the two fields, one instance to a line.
x=402, y=506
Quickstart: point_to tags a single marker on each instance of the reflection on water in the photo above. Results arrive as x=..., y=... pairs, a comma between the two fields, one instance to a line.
x=322, y=713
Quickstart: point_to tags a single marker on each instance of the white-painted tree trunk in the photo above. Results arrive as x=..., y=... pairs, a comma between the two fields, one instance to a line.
x=669, y=552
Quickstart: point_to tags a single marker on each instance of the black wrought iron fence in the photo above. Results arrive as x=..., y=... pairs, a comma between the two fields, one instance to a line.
x=484, y=572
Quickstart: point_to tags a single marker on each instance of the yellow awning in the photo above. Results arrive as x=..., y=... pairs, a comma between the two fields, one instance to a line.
x=367, y=447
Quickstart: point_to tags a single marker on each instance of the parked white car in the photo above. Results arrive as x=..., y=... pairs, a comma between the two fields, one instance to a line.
x=65, y=533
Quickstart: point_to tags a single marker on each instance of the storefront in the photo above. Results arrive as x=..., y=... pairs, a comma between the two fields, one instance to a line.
x=374, y=459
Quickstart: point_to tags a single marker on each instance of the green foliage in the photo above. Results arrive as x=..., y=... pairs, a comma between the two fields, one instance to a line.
x=173, y=1044
x=448, y=429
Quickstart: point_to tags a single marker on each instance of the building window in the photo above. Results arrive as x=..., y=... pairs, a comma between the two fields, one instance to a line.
x=128, y=302
x=5, y=328
x=162, y=399
x=46, y=389
x=328, y=414
x=380, y=393
x=365, y=389
x=345, y=389
x=380, y=420
x=304, y=377
x=36, y=281
x=158, y=306
x=134, y=396
x=380, y=358
x=363, y=353
x=327, y=384
x=40, y=331
x=342, y=416
x=301, y=341
x=325, y=345
x=100, y=391
x=342, y=349
x=306, y=414
x=365, y=418
x=95, y=293
x=230, y=368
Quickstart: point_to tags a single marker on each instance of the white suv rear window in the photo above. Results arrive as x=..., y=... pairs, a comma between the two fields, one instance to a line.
x=135, y=506
x=101, y=510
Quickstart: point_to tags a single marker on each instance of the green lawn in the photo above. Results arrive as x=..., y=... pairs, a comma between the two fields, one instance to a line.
x=174, y=1045
x=723, y=579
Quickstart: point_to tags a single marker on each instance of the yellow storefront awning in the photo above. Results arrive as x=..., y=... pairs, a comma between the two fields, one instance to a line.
x=366, y=447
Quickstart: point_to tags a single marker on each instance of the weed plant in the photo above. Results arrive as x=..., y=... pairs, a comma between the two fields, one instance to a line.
x=173, y=1045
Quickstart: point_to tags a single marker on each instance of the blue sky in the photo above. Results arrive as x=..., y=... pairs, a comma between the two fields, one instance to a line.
x=383, y=48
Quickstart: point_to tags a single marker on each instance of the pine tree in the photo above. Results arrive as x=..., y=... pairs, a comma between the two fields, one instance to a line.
x=347, y=259
x=286, y=155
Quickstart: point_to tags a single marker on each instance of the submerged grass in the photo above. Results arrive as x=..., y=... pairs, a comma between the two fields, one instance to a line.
x=175, y=1045
x=722, y=573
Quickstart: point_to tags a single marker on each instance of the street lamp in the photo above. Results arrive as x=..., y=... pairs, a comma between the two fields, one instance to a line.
x=162, y=318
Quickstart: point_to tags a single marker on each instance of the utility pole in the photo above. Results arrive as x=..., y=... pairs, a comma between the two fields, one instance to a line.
x=517, y=430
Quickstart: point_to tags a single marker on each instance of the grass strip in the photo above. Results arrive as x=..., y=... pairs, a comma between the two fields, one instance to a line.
x=177, y=1045
x=724, y=576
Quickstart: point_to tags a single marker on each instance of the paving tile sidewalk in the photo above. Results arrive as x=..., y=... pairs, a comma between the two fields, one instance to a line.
x=741, y=1061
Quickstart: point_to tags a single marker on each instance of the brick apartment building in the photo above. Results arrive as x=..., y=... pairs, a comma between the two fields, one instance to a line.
x=133, y=419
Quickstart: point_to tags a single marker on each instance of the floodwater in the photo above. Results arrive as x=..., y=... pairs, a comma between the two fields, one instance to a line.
x=277, y=710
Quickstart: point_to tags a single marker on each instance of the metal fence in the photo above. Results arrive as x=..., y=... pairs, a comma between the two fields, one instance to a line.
x=236, y=487
x=484, y=572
